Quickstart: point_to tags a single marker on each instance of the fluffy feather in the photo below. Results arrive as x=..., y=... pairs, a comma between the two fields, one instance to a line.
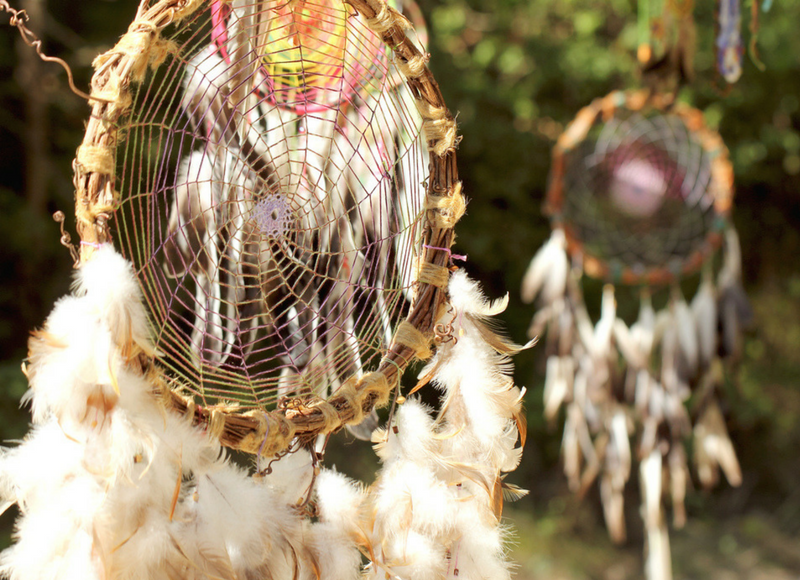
x=112, y=486
x=435, y=507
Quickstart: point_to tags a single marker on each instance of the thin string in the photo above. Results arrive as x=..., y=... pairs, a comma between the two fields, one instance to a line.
x=451, y=256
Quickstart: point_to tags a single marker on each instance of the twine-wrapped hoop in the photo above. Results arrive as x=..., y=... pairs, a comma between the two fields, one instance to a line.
x=616, y=168
x=269, y=432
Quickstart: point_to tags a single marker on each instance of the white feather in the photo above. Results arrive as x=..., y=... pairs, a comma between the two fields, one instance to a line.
x=704, y=313
x=556, y=385
x=687, y=331
x=548, y=270
x=600, y=345
x=650, y=471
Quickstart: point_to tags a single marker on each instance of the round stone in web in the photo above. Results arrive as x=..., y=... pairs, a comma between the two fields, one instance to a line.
x=272, y=215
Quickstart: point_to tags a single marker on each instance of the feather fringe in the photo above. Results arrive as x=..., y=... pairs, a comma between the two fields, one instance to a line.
x=110, y=485
x=434, y=510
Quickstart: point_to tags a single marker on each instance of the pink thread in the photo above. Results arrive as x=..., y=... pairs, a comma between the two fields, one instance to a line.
x=94, y=245
x=455, y=563
x=460, y=257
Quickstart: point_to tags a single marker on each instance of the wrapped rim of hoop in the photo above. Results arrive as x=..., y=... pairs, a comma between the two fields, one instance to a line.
x=641, y=187
x=270, y=432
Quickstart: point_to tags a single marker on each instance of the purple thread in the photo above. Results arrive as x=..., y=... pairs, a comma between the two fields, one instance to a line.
x=273, y=215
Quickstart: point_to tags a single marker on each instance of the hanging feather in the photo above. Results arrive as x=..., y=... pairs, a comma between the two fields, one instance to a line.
x=735, y=312
x=658, y=563
x=686, y=331
x=547, y=272
x=714, y=449
x=704, y=313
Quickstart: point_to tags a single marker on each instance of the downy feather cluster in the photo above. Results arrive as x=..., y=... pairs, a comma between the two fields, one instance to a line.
x=434, y=510
x=110, y=485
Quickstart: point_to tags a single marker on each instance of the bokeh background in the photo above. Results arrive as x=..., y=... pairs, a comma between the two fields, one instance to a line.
x=515, y=72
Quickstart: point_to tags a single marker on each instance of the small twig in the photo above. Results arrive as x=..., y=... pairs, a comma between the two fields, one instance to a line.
x=18, y=20
x=66, y=239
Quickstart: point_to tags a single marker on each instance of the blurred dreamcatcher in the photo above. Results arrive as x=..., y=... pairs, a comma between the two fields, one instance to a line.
x=640, y=196
x=282, y=187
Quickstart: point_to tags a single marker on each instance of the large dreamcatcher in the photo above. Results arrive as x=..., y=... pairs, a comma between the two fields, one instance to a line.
x=279, y=178
x=640, y=196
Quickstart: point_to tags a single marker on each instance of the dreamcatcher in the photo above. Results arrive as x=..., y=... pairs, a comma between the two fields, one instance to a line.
x=282, y=188
x=639, y=197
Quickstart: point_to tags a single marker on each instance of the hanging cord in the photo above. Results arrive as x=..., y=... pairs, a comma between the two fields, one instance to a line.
x=754, y=26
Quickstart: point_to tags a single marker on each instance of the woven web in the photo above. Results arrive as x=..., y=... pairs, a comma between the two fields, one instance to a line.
x=273, y=181
x=637, y=192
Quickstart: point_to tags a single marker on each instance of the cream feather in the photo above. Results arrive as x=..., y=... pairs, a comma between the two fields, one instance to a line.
x=434, y=510
x=548, y=271
x=704, y=313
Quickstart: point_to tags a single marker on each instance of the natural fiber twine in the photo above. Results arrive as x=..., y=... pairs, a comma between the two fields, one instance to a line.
x=408, y=335
x=433, y=274
x=88, y=214
x=387, y=18
x=374, y=384
x=142, y=47
x=118, y=100
x=349, y=393
x=451, y=207
x=413, y=68
x=217, y=424
x=186, y=8
x=273, y=434
x=330, y=415
x=96, y=158
x=439, y=127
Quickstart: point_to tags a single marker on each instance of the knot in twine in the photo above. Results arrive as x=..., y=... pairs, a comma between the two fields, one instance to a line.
x=439, y=127
x=330, y=415
x=451, y=207
x=408, y=335
x=387, y=17
x=112, y=92
x=349, y=392
x=377, y=385
x=142, y=46
x=355, y=392
x=273, y=435
x=413, y=68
